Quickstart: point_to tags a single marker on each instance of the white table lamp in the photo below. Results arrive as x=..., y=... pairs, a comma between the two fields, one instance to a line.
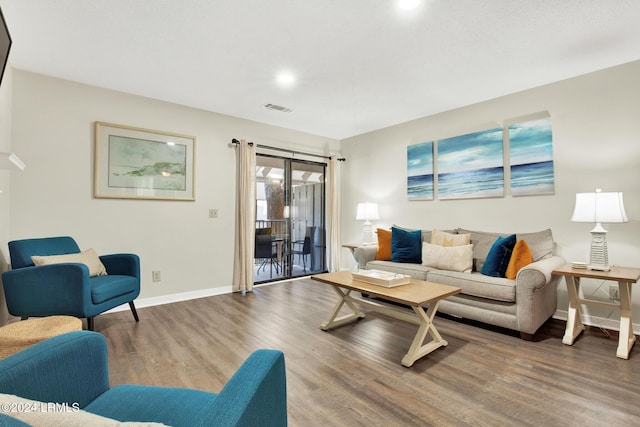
x=599, y=207
x=367, y=211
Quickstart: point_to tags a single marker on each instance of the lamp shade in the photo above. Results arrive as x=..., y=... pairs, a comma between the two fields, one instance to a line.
x=599, y=207
x=367, y=211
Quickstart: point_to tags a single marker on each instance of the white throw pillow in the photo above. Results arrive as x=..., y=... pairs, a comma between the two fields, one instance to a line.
x=89, y=258
x=45, y=414
x=442, y=238
x=453, y=258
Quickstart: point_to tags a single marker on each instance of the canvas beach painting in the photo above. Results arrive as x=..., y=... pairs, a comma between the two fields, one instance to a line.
x=420, y=171
x=471, y=165
x=139, y=163
x=531, y=154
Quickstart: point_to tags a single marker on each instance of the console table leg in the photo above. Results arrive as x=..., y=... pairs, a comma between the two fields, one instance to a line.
x=574, y=319
x=627, y=337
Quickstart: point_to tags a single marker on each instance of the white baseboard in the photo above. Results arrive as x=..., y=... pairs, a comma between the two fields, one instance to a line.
x=186, y=296
x=598, y=322
x=168, y=299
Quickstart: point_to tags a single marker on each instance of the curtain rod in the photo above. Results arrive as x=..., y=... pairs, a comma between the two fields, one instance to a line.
x=286, y=150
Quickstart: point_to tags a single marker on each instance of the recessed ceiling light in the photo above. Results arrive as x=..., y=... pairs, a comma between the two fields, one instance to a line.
x=286, y=79
x=408, y=4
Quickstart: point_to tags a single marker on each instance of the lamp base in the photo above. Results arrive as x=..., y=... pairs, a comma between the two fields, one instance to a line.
x=599, y=254
x=367, y=233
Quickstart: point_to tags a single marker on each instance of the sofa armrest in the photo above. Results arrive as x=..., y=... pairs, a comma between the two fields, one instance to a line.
x=538, y=274
x=536, y=295
x=364, y=254
x=61, y=289
x=122, y=264
x=255, y=395
x=69, y=368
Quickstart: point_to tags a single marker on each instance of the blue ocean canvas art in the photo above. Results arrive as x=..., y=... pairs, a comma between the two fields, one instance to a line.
x=471, y=166
x=420, y=171
x=531, y=152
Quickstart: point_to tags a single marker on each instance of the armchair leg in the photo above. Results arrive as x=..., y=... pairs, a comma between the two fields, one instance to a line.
x=90, y=323
x=133, y=311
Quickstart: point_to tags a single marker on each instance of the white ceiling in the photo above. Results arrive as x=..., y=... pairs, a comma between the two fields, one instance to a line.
x=361, y=65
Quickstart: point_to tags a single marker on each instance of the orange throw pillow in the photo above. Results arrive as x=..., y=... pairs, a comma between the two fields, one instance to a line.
x=384, y=245
x=520, y=257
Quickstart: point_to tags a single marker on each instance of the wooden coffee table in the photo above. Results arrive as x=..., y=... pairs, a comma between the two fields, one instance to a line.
x=416, y=294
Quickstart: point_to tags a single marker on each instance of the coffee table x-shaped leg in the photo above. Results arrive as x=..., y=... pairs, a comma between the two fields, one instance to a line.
x=423, y=318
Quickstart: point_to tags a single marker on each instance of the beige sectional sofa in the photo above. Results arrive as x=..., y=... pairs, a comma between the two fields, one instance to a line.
x=523, y=304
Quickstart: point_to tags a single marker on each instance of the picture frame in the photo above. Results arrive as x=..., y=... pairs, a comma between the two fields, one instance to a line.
x=531, y=157
x=420, y=171
x=137, y=163
x=471, y=165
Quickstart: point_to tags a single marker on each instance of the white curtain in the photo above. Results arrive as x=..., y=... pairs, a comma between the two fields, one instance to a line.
x=245, y=218
x=333, y=216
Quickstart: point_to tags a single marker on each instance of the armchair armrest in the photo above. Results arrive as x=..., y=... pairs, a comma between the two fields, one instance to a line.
x=69, y=368
x=62, y=289
x=255, y=395
x=122, y=264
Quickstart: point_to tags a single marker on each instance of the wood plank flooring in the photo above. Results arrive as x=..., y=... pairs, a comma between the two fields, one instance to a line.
x=351, y=376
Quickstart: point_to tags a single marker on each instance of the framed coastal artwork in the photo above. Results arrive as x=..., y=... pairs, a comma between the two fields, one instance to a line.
x=420, y=171
x=471, y=165
x=531, y=154
x=135, y=163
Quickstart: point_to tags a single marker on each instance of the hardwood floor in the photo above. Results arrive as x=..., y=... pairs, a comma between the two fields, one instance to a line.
x=351, y=376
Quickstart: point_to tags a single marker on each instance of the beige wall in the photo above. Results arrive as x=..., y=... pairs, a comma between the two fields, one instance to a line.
x=53, y=133
x=596, y=143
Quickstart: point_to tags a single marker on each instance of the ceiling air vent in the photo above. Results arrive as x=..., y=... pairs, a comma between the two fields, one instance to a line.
x=278, y=108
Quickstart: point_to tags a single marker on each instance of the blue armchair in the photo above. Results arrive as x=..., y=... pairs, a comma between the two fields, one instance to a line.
x=67, y=288
x=72, y=370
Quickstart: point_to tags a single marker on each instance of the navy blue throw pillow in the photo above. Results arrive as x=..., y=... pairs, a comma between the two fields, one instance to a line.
x=499, y=255
x=406, y=246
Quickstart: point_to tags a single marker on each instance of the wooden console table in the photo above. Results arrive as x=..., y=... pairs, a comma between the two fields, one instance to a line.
x=626, y=277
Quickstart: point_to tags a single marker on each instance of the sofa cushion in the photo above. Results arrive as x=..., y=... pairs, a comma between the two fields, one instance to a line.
x=442, y=238
x=481, y=242
x=384, y=245
x=521, y=257
x=477, y=284
x=426, y=234
x=499, y=256
x=540, y=243
x=454, y=258
x=406, y=246
x=88, y=257
x=416, y=271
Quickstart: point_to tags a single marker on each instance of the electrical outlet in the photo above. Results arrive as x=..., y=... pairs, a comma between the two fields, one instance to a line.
x=156, y=276
x=213, y=213
x=614, y=293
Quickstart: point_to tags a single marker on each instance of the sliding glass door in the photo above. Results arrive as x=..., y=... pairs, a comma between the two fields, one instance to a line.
x=290, y=209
